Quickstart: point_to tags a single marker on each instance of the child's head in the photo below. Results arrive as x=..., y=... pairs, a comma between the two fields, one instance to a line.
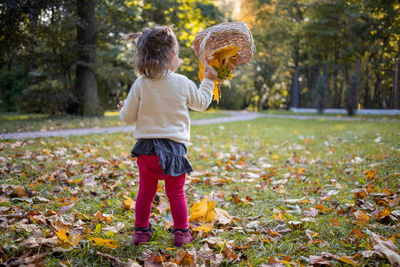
x=157, y=52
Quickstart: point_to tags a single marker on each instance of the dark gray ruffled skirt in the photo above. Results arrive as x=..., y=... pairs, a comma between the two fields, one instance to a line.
x=172, y=155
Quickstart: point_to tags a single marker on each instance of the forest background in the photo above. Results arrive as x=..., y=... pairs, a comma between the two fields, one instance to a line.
x=63, y=56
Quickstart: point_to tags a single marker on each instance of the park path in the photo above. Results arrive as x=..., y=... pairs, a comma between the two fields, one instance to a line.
x=232, y=117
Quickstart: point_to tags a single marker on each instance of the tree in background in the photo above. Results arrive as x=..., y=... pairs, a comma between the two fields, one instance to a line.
x=352, y=92
x=86, y=83
x=309, y=36
x=296, y=40
x=51, y=46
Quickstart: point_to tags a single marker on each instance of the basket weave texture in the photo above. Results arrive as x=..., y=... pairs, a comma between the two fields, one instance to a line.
x=221, y=35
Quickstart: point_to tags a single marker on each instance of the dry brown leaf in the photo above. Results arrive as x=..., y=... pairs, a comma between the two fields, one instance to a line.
x=335, y=222
x=361, y=217
x=116, y=228
x=116, y=262
x=185, y=258
x=222, y=217
x=35, y=260
x=312, y=212
x=37, y=241
x=357, y=232
x=386, y=247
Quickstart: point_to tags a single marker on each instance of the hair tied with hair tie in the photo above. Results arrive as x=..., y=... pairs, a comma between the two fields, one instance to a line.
x=131, y=37
x=167, y=30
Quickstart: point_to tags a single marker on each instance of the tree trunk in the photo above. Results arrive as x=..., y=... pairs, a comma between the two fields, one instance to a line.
x=366, y=90
x=294, y=96
x=377, y=90
x=86, y=83
x=396, y=84
x=336, y=95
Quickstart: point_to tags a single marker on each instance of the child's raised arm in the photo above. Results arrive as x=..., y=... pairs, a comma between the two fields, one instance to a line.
x=128, y=109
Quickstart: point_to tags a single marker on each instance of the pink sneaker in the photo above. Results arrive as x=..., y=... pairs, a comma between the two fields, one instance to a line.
x=182, y=238
x=142, y=236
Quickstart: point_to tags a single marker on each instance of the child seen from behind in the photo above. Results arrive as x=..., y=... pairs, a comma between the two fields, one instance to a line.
x=159, y=103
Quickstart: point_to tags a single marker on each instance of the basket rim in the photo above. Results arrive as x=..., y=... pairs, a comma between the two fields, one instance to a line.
x=237, y=30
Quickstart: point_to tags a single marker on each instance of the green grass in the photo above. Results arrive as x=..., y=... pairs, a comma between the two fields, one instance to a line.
x=268, y=161
x=22, y=122
x=359, y=116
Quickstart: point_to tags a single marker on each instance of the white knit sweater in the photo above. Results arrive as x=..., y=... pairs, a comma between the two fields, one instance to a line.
x=160, y=107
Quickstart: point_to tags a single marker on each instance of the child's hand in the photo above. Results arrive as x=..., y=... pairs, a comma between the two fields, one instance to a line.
x=210, y=73
x=120, y=105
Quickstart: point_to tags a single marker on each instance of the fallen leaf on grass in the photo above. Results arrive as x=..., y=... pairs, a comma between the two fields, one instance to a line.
x=223, y=246
x=381, y=214
x=116, y=262
x=352, y=260
x=38, y=241
x=357, y=232
x=116, y=228
x=312, y=212
x=206, y=227
x=36, y=260
x=111, y=243
x=325, y=257
x=335, y=222
x=385, y=247
x=203, y=210
x=65, y=235
x=361, y=217
x=222, y=217
x=185, y=258
x=320, y=260
x=128, y=203
x=369, y=174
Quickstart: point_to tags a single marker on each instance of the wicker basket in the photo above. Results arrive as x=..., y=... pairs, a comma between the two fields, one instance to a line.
x=219, y=36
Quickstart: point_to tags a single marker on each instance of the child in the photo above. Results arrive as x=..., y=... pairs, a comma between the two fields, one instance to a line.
x=159, y=103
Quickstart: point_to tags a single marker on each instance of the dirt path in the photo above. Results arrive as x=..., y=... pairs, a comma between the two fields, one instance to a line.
x=233, y=116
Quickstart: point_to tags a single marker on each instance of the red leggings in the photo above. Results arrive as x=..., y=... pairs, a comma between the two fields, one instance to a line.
x=150, y=172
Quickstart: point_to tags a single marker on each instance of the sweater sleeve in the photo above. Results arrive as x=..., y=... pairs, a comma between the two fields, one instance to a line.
x=129, y=112
x=200, y=99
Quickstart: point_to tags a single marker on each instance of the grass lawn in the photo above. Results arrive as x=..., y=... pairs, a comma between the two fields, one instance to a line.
x=296, y=192
x=21, y=122
x=359, y=116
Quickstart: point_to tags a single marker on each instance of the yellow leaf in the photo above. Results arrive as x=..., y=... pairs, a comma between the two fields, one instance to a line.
x=128, y=203
x=205, y=227
x=384, y=213
x=225, y=57
x=277, y=215
x=67, y=237
x=203, y=211
x=111, y=243
x=352, y=260
x=369, y=174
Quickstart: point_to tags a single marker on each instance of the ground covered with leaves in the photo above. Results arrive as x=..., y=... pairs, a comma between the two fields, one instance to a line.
x=265, y=192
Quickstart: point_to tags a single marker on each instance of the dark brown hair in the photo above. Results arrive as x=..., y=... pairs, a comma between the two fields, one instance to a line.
x=154, y=50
